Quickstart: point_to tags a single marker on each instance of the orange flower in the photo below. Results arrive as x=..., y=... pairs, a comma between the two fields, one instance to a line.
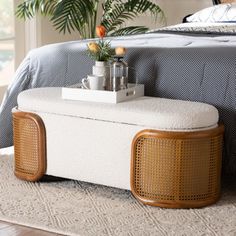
x=100, y=31
x=120, y=51
x=93, y=47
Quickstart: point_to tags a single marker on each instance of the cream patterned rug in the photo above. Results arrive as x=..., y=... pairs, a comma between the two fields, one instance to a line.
x=77, y=208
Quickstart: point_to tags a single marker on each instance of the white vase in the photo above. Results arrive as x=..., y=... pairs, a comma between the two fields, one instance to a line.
x=102, y=68
x=99, y=68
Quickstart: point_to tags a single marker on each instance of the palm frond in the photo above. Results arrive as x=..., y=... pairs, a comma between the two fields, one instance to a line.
x=28, y=8
x=144, y=6
x=129, y=30
x=141, y=6
x=49, y=7
x=72, y=14
x=117, y=12
x=107, y=6
x=116, y=20
x=81, y=15
x=66, y=15
x=115, y=16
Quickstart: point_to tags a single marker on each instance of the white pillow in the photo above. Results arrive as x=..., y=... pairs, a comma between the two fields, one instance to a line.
x=218, y=13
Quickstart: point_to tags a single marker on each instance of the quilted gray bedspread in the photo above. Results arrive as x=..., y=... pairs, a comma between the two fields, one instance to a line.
x=197, y=68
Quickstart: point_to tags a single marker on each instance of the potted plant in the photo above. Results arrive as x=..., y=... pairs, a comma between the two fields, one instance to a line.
x=101, y=52
x=81, y=15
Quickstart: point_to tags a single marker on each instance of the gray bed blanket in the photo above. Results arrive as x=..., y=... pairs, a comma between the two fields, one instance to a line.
x=174, y=66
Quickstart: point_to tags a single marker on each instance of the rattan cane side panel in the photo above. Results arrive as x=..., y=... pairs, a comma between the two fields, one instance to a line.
x=149, y=168
x=29, y=145
x=176, y=172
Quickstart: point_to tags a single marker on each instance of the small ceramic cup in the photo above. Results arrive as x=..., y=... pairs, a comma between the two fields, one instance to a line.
x=93, y=82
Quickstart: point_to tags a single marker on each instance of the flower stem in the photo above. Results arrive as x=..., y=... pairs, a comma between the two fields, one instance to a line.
x=94, y=22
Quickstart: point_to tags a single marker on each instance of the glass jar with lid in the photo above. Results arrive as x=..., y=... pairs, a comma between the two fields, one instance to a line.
x=118, y=74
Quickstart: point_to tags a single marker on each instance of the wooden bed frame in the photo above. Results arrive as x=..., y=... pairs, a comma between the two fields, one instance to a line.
x=215, y=2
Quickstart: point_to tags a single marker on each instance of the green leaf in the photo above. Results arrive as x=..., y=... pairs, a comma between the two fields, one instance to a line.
x=117, y=12
x=130, y=30
x=73, y=15
x=28, y=8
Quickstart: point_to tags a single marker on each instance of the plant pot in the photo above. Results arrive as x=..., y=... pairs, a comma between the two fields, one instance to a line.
x=103, y=68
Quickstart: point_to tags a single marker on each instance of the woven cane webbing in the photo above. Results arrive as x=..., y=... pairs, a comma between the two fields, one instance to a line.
x=176, y=172
x=29, y=145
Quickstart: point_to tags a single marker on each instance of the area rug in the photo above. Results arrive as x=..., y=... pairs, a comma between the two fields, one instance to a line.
x=77, y=208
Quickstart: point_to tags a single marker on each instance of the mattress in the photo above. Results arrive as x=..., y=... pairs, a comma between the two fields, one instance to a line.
x=187, y=66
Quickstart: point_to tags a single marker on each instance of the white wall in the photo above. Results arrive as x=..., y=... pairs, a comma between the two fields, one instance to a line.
x=35, y=33
x=174, y=11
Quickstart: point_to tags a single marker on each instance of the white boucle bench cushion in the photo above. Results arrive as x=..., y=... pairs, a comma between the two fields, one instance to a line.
x=158, y=113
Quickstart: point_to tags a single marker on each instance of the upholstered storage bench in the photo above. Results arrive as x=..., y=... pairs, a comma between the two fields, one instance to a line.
x=176, y=145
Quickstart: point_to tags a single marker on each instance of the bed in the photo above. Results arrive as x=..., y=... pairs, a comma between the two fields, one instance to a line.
x=193, y=61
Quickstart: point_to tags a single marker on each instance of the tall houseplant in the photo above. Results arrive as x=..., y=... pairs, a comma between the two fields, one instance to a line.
x=82, y=15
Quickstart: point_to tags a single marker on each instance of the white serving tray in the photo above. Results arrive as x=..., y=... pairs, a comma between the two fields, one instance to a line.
x=75, y=92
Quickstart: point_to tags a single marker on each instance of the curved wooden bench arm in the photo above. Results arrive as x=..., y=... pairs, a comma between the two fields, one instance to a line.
x=177, y=169
x=30, y=145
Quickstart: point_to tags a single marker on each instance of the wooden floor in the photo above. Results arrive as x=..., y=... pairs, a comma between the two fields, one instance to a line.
x=8, y=229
